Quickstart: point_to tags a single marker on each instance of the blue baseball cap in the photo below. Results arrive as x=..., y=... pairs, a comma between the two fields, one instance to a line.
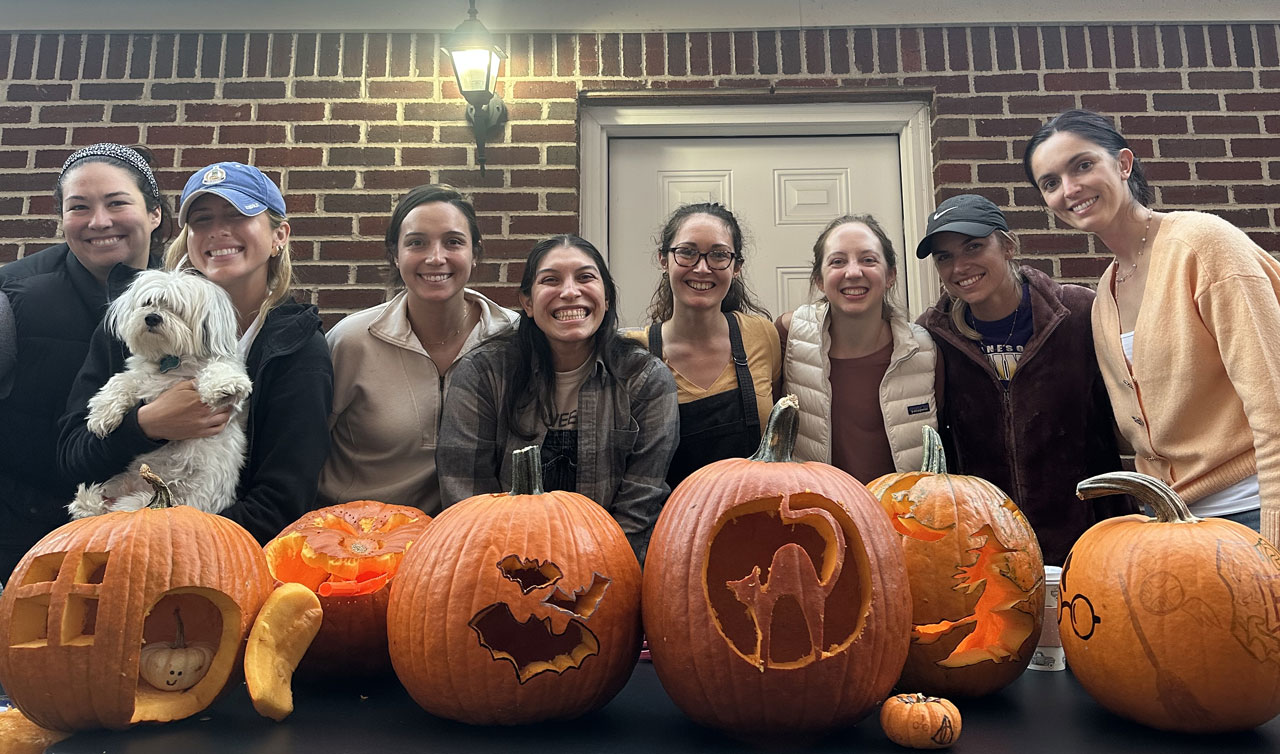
x=248, y=190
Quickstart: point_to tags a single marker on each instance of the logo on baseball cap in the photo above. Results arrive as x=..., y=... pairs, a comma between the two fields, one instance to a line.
x=968, y=214
x=248, y=190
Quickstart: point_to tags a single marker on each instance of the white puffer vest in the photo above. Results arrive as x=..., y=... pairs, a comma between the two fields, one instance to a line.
x=906, y=392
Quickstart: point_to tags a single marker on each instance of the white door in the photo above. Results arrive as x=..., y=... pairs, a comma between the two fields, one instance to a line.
x=783, y=190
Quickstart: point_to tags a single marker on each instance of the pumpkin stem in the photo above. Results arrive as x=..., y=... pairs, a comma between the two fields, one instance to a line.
x=526, y=471
x=779, y=439
x=162, y=498
x=1169, y=507
x=935, y=459
x=180, y=639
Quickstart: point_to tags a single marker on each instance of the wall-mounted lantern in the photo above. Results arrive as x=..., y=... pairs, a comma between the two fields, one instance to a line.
x=476, y=58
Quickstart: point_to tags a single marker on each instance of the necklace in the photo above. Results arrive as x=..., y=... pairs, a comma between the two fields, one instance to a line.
x=973, y=321
x=1133, y=266
x=466, y=312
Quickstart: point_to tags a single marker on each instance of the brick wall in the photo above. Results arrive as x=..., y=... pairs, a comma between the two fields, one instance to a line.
x=346, y=122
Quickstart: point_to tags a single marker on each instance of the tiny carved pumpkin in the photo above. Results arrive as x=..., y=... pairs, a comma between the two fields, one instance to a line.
x=920, y=722
x=348, y=555
x=775, y=593
x=516, y=608
x=87, y=597
x=177, y=666
x=977, y=577
x=1173, y=621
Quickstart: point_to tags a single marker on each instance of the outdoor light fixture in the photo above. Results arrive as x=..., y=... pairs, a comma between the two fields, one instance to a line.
x=476, y=58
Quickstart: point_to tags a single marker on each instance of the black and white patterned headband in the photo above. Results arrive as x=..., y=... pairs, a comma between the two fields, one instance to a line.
x=125, y=154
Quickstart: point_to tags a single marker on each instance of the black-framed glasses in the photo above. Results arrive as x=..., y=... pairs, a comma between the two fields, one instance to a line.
x=717, y=259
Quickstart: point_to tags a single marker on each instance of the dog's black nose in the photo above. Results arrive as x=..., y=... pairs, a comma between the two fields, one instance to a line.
x=153, y=320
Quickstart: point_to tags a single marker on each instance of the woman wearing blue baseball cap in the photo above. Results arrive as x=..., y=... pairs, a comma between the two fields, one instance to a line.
x=114, y=222
x=1026, y=408
x=234, y=233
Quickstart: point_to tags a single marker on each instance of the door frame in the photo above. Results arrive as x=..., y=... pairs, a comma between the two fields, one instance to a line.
x=598, y=122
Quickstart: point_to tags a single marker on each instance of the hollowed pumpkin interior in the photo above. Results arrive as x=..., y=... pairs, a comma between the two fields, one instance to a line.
x=788, y=580
x=209, y=617
x=352, y=549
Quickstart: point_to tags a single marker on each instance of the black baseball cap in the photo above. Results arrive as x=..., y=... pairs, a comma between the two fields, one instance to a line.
x=969, y=214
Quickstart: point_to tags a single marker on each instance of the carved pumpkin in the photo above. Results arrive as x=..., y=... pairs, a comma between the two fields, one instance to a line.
x=516, y=608
x=347, y=554
x=775, y=593
x=1173, y=621
x=920, y=722
x=85, y=599
x=977, y=577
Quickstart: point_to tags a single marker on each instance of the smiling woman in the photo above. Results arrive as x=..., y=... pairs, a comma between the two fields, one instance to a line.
x=237, y=235
x=114, y=222
x=603, y=410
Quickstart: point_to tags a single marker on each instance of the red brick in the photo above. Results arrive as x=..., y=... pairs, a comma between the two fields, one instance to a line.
x=558, y=156
x=980, y=48
x=677, y=54
x=197, y=158
x=547, y=178
x=1220, y=80
x=1052, y=243
x=1268, y=50
x=1225, y=124
x=25, y=57
x=1006, y=126
x=1259, y=101
x=255, y=90
x=543, y=225
x=39, y=93
x=1084, y=267
x=329, y=90
x=110, y=92
x=365, y=111
x=198, y=112
x=1007, y=82
x=1072, y=82
x=11, y=136
x=381, y=156
x=29, y=228
x=1197, y=50
x=968, y=105
x=1148, y=51
x=1077, y=50
x=655, y=54
x=48, y=158
x=1051, y=39
x=398, y=134
x=562, y=201
x=1149, y=81
x=543, y=53
x=471, y=178
x=321, y=274
x=544, y=90
x=1001, y=172
x=329, y=133
x=990, y=149
x=1115, y=103
x=180, y=135
x=941, y=84
x=631, y=52
x=952, y=172
x=321, y=179
x=15, y=114
x=744, y=57
x=952, y=127
x=1125, y=51
x=69, y=65
x=1153, y=124
x=304, y=56
x=47, y=62
x=430, y=156
x=789, y=50
x=71, y=113
x=328, y=225
x=429, y=111
x=1198, y=196
x=588, y=55
x=294, y=112
x=691, y=84
x=186, y=90
x=1229, y=171
x=543, y=132
x=400, y=89
x=1172, y=102
x=1040, y=104
x=252, y=134
x=395, y=179
x=489, y=201
x=351, y=298
x=1269, y=194
x=1170, y=170
x=358, y=203
x=144, y=113
x=1265, y=147
x=375, y=226
x=288, y=157
x=1193, y=147
x=1271, y=122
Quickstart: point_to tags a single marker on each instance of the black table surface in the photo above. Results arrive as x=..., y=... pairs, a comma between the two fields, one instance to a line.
x=1040, y=712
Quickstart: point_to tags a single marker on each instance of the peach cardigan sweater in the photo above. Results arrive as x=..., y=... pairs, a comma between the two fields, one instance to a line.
x=1201, y=406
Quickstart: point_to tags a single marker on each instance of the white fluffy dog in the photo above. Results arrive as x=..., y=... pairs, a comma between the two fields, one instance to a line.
x=178, y=326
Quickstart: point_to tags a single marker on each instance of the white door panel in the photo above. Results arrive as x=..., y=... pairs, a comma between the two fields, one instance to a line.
x=783, y=190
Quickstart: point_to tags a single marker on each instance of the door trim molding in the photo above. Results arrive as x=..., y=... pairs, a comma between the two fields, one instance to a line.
x=908, y=120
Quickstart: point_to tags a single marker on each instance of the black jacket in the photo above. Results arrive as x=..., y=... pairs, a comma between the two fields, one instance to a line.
x=288, y=422
x=56, y=304
x=1045, y=432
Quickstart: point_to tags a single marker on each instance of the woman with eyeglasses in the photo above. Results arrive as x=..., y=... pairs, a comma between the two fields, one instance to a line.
x=864, y=375
x=718, y=342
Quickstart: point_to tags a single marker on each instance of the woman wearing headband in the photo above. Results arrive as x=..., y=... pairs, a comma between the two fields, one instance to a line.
x=234, y=233
x=114, y=222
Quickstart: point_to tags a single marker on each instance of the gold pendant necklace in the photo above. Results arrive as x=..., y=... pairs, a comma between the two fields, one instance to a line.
x=1133, y=266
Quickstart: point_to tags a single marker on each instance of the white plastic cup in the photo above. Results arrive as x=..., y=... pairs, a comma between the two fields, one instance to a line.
x=1048, y=654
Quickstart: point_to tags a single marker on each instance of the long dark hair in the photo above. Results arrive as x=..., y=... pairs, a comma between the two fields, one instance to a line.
x=150, y=197
x=426, y=194
x=1095, y=128
x=533, y=378
x=739, y=298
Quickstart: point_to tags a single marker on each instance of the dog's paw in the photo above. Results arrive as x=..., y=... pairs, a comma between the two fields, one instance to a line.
x=87, y=502
x=108, y=407
x=220, y=384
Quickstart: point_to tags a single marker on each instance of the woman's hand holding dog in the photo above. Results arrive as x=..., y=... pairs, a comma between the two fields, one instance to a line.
x=179, y=414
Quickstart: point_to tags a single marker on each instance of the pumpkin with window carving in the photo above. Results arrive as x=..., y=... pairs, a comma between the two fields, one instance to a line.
x=102, y=604
x=775, y=593
x=348, y=555
x=977, y=577
x=1172, y=620
x=516, y=607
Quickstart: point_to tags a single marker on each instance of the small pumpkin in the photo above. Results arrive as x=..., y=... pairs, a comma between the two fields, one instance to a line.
x=282, y=632
x=177, y=666
x=86, y=598
x=347, y=554
x=1171, y=620
x=516, y=607
x=920, y=722
x=977, y=577
x=775, y=593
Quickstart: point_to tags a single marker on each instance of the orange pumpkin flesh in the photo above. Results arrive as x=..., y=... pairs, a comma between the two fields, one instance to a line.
x=517, y=608
x=977, y=577
x=347, y=554
x=285, y=627
x=775, y=593
x=1171, y=621
x=87, y=597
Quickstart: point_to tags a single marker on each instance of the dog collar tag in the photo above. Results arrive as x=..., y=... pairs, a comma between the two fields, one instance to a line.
x=169, y=363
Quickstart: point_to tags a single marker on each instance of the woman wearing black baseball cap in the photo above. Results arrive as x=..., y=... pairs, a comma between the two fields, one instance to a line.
x=1026, y=408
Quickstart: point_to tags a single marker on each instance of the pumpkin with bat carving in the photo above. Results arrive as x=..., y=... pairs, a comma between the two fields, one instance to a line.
x=775, y=593
x=516, y=607
x=977, y=577
x=129, y=617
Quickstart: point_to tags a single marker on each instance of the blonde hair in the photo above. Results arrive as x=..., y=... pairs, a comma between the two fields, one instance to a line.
x=960, y=309
x=279, y=266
